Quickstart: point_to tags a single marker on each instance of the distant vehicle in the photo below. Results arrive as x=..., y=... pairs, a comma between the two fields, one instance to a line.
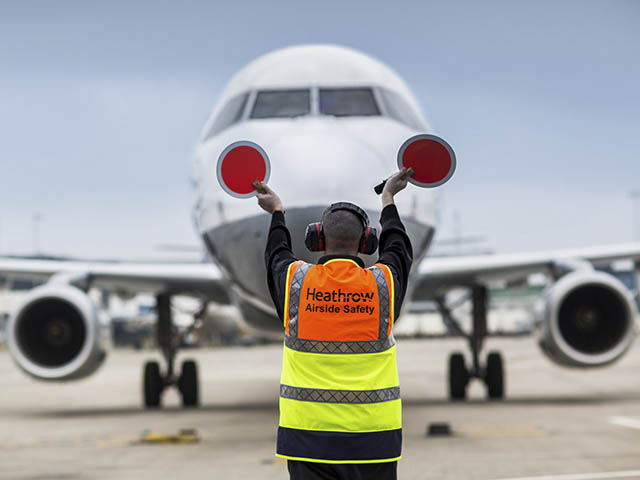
x=332, y=120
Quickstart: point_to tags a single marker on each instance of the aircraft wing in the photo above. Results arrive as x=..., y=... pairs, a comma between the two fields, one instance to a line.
x=204, y=278
x=438, y=274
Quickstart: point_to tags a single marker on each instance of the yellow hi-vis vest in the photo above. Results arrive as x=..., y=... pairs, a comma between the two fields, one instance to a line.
x=339, y=394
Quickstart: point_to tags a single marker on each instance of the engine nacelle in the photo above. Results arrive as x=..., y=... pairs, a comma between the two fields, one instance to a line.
x=586, y=320
x=55, y=334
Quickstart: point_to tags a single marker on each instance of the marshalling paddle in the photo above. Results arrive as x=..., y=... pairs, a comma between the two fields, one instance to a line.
x=242, y=167
x=429, y=160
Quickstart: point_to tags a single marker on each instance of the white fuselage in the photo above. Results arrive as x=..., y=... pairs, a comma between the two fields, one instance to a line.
x=316, y=158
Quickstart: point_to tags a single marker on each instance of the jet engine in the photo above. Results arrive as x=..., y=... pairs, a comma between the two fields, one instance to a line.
x=586, y=319
x=55, y=334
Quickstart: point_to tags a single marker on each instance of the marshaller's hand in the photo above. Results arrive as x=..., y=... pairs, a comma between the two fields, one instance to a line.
x=395, y=183
x=269, y=201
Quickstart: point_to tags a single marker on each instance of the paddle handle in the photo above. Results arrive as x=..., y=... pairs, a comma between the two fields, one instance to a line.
x=378, y=188
x=256, y=184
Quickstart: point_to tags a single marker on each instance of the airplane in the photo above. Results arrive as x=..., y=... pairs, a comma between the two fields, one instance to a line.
x=331, y=119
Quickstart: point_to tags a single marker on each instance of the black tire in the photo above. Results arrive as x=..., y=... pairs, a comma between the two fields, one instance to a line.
x=495, y=376
x=188, y=384
x=458, y=377
x=153, y=384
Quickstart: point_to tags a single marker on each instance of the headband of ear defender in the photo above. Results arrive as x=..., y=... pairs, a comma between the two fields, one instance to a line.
x=314, y=235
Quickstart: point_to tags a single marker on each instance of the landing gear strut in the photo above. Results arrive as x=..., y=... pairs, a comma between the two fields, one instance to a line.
x=492, y=372
x=154, y=382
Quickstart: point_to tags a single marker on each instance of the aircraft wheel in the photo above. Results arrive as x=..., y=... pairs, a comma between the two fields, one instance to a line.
x=458, y=377
x=188, y=383
x=495, y=376
x=153, y=384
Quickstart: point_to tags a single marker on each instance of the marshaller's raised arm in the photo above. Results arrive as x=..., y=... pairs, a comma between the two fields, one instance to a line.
x=395, y=247
x=394, y=184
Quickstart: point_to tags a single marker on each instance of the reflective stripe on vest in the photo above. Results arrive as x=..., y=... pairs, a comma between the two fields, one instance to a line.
x=294, y=297
x=319, y=346
x=339, y=396
x=339, y=393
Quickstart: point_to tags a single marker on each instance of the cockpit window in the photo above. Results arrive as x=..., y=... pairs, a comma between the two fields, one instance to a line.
x=281, y=104
x=231, y=113
x=398, y=109
x=345, y=102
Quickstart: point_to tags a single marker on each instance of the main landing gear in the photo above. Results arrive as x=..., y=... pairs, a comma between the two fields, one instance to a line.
x=154, y=382
x=492, y=372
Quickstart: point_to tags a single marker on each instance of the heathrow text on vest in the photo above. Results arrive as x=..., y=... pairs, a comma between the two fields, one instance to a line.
x=339, y=296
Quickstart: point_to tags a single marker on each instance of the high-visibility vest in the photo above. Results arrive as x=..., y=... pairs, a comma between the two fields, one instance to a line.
x=339, y=390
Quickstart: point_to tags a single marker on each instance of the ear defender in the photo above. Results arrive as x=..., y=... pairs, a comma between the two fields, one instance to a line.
x=368, y=241
x=314, y=235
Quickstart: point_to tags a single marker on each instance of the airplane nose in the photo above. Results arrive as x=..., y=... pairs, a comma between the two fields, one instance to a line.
x=324, y=164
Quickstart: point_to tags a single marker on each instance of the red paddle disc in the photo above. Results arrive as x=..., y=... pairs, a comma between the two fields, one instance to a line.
x=239, y=165
x=431, y=158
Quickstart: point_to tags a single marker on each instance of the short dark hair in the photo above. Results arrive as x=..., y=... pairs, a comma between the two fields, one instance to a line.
x=342, y=230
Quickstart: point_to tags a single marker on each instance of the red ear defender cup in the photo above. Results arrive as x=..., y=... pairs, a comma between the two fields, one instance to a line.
x=314, y=237
x=368, y=241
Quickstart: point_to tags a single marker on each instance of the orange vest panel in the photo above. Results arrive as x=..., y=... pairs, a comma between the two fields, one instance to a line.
x=338, y=302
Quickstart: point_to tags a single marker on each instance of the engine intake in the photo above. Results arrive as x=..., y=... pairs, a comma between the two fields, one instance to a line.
x=54, y=334
x=587, y=319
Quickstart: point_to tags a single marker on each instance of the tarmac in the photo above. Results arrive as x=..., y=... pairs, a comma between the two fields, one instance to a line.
x=554, y=424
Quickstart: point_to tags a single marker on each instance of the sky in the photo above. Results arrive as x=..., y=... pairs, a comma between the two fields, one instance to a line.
x=102, y=104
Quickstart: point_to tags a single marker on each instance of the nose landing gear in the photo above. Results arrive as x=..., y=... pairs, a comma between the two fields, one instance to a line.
x=492, y=372
x=154, y=382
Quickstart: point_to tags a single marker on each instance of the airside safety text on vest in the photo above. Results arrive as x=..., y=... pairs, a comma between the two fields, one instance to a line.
x=339, y=296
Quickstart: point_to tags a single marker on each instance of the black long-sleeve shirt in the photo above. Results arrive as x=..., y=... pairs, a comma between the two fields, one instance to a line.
x=394, y=249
